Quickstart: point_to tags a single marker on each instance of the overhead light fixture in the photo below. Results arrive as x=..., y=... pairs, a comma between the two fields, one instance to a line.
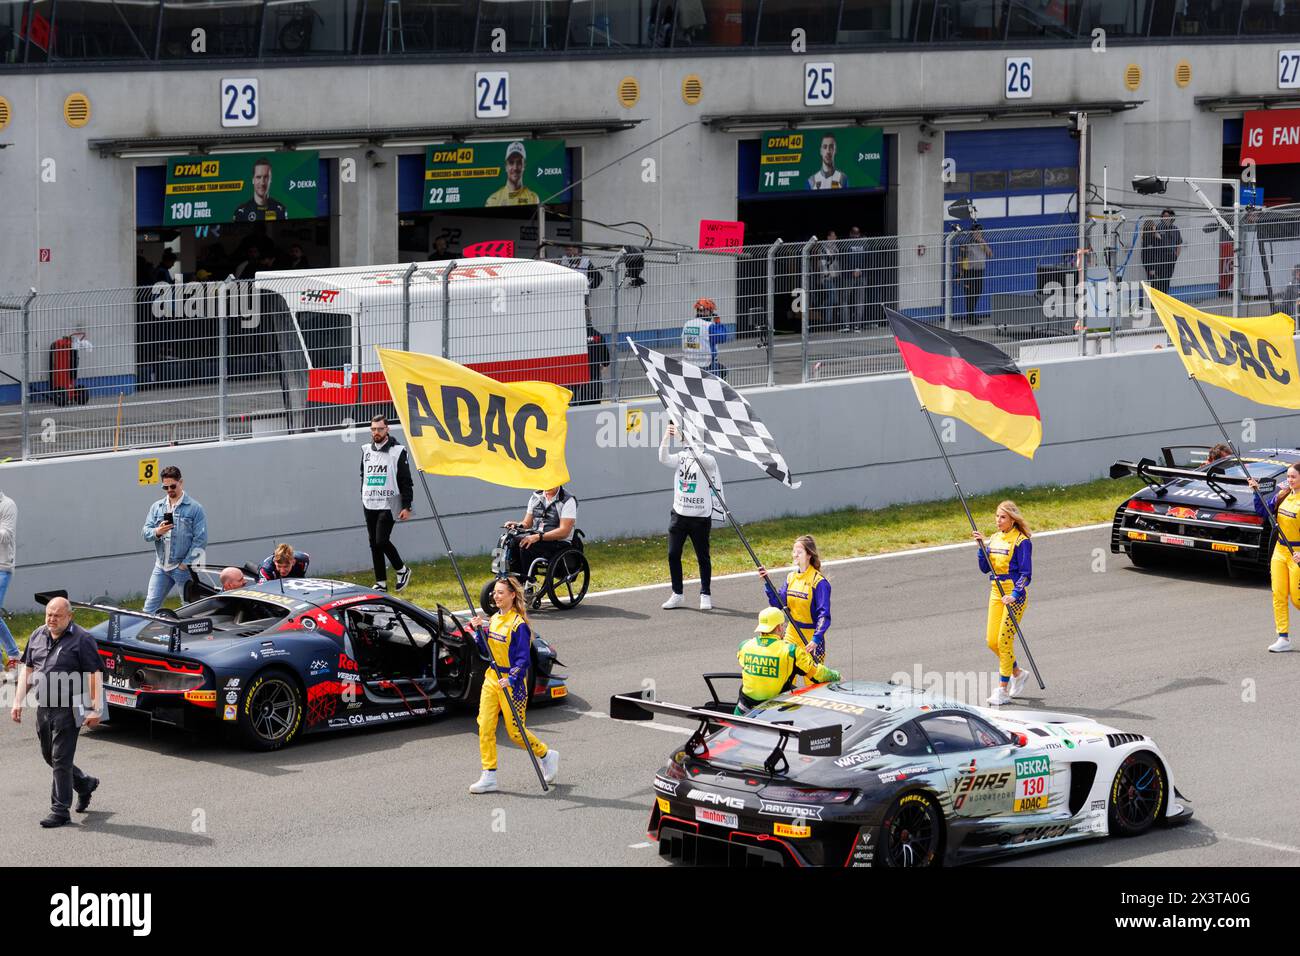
x=246, y=148
x=154, y=153
x=954, y=120
x=351, y=144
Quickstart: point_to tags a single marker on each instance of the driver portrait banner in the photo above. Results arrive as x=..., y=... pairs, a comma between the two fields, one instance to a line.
x=241, y=187
x=459, y=422
x=1251, y=357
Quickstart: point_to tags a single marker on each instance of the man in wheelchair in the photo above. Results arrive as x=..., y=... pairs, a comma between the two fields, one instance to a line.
x=551, y=516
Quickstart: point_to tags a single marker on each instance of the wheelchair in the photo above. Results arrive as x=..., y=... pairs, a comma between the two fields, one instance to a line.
x=562, y=578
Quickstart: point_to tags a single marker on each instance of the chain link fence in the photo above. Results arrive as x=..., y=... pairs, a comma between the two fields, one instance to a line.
x=287, y=352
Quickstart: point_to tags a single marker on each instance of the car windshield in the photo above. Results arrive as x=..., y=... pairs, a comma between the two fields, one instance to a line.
x=229, y=614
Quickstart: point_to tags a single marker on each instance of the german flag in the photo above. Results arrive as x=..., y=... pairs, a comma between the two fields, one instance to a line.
x=971, y=380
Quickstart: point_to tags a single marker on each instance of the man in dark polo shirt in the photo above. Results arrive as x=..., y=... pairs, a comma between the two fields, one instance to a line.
x=62, y=663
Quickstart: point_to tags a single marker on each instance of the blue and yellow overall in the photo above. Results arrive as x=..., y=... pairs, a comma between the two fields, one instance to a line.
x=808, y=596
x=510, y=642
x=1282, y=569
x=1011, y=554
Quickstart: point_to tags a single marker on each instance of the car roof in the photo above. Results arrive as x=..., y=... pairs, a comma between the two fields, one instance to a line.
x=869, y=699
x=321, y=592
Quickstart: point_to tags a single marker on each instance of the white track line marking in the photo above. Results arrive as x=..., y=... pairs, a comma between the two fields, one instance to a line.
x=932, y=549
x=1257, y=842
x=638, y=846
x=647, y=724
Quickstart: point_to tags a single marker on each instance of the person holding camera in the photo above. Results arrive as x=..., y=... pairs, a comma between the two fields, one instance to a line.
x=178, y=529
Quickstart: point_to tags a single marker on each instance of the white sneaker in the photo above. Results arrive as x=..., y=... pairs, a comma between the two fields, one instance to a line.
x=1018, y=683
x=551, y=765
x=1281, y=645
x=675, y=601
x=999, y=698
x=706, y=603
x=485, y=784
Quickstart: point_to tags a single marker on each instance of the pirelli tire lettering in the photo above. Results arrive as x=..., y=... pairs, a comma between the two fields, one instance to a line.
x=272, y=712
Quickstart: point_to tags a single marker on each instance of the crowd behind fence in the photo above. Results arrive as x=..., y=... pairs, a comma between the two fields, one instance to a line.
x=289, y=352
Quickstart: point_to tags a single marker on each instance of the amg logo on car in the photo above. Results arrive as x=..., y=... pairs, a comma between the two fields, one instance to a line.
x=704, y=797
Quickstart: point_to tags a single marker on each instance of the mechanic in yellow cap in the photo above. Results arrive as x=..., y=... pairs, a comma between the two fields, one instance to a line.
x=769, y=663
x=1282, y=568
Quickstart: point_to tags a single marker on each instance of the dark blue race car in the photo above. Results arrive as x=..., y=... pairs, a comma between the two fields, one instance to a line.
x=278, y=659
x=1197, y=508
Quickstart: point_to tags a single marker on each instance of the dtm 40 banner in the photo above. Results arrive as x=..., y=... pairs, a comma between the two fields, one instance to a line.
x=793, y=161
x=478, y=175
x=244, y=187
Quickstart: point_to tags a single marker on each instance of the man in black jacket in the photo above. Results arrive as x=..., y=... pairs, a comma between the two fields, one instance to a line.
x=62, y=663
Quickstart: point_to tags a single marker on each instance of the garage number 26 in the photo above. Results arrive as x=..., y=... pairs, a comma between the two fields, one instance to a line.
x=1020, y=77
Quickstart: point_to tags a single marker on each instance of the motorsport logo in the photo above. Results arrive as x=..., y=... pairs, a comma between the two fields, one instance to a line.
x=75, y=909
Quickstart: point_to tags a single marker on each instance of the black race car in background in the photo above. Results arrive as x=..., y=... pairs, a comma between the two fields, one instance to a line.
x=279, y=659
x=1199, y=509
x=887, y=776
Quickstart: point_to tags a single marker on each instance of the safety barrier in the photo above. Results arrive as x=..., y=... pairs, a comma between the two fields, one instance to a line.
x=287, y=352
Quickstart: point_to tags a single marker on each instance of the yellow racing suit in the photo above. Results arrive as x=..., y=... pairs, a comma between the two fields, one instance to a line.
x=509, y=641
x=1011, y=554
x=1282, y=569
x=769, y=664
x=807, y=594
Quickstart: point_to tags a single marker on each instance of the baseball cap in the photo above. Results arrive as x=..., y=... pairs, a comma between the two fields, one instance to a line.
x=769, y=620
x=516, y=147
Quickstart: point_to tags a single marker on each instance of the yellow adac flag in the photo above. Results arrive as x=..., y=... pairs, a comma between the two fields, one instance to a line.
x=458, y=422
x=1255, y=358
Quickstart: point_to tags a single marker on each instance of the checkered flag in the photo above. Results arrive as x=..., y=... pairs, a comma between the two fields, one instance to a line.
x=712, y=413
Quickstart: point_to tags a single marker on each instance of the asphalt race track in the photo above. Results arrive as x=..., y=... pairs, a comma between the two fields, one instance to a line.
x=1167, y=653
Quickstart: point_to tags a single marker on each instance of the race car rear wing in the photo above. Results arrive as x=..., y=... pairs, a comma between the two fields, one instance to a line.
x=813, y=742
x=176, y=627
x=1158, y=475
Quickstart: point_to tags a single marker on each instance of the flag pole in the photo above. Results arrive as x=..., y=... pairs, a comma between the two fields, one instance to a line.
x=1242, y=465
x=510, y=699
x=739, y=533
x=983, y=549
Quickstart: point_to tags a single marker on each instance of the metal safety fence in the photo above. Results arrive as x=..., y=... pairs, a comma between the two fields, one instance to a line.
x=287, y=352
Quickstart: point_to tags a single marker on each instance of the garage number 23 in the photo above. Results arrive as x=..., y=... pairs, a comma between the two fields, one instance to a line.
x=240, y=102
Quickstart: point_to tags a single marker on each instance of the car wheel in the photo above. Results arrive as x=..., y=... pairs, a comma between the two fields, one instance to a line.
x=1142, y=557
x=568, y=579
x=1138, y=794
x=485, y=598
x=911, y=833
x=271, y=714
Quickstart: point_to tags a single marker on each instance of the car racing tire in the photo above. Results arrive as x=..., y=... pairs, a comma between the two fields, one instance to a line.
x=1142, y=557
x=271, y=713
x=911, y=834
x=1138, y=794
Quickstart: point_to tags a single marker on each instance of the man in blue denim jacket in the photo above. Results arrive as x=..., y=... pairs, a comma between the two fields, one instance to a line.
x=178, y=543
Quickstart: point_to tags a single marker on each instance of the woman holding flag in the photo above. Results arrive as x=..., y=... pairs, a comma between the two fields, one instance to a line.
x=1282, y=568
x=509, y=643
x=807, y=595
x=1007, y=558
